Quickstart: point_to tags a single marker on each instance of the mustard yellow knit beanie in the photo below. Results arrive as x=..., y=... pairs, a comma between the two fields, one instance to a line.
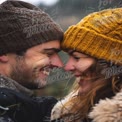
x=99, y=35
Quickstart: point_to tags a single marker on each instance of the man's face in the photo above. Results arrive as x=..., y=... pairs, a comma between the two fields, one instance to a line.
x=32, y=69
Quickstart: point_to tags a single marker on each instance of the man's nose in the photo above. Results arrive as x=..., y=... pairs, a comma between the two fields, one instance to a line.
x=69, y=66
x=56, y=61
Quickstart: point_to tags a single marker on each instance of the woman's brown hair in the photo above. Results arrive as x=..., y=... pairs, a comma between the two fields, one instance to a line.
x=101, y=88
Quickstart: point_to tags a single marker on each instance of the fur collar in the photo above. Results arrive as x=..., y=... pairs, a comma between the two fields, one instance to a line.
x=108, y=110
x=59, y=108
x=6, y=82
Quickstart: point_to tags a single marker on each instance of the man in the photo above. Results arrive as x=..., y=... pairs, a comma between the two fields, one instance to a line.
x=29, y=42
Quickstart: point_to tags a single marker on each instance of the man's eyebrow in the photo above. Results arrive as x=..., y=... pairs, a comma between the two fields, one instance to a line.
x=53, y=49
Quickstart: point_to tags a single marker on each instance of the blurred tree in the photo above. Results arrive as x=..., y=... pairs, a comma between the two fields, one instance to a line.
x=68, y=12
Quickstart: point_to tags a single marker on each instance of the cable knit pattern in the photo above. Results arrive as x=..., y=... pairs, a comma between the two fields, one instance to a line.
x=23, y=25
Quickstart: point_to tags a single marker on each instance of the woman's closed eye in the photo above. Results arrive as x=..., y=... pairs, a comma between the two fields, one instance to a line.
x=76, y=57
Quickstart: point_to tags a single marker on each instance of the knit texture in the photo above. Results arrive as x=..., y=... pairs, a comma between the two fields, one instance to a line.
x=99, y=35
x=23, y=25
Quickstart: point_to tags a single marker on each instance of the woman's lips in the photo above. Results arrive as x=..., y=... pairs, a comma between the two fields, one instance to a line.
x=77, y=75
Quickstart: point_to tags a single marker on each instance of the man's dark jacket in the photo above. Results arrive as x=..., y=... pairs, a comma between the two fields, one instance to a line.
x=17, y=103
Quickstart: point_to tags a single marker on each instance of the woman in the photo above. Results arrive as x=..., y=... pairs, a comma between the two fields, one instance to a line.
x=95, y=49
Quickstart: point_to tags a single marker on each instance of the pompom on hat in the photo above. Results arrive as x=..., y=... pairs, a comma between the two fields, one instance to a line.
x=23, y=25
x=99, y=35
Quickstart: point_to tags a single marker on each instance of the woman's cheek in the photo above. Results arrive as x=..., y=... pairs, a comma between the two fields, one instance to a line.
x=83, y=65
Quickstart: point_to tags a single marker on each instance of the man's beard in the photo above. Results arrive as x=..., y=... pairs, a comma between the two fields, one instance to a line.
x=25, y=76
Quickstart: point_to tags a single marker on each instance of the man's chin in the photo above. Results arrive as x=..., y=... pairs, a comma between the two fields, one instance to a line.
x=40, y=83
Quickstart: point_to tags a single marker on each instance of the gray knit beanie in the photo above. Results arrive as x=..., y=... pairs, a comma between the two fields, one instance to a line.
x=23, y=25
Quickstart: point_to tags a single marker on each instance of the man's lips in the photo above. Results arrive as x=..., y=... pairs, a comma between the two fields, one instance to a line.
x=47, y=69
x=77, y=75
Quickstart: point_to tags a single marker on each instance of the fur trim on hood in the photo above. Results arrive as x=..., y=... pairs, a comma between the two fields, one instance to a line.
x=59, y=108
x=108, y=110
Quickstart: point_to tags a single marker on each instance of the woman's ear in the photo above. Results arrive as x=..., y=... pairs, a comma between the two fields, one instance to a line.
x=4, y=58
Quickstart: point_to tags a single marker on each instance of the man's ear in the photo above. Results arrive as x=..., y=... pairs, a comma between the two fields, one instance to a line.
x=4, y=58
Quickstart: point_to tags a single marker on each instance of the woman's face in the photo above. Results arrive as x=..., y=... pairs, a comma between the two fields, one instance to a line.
x=79, y=65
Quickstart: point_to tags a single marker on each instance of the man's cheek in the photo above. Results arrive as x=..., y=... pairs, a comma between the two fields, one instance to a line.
x=41, y=63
